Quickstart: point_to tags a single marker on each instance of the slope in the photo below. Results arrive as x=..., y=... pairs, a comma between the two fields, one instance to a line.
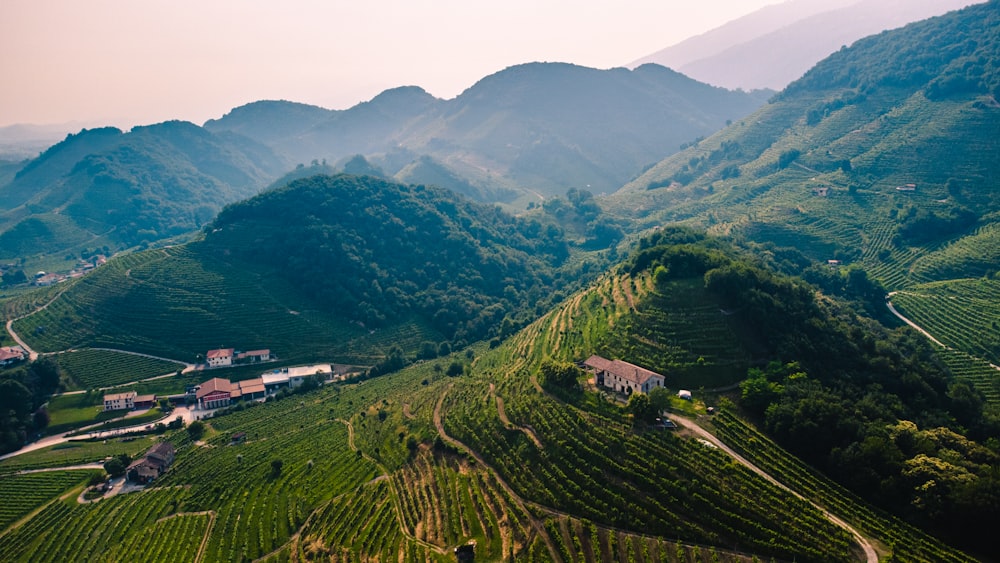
x=339, y=266
x=880, y=157
x=107, y=188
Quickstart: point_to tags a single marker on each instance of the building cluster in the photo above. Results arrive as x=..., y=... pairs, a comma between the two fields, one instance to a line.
x=622, y=377
x=43, y=279
x=229, y=356
x=152, y=465
x=219, y=392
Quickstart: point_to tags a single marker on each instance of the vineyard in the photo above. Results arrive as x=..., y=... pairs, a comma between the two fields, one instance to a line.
x=74, y=453
x=22, y=494
x=905, y=542
x=98, y=369
x=962, y=314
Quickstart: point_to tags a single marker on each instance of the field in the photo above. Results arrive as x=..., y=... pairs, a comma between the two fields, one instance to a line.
x=99, y=369
x=75, y=453
x=22, y=494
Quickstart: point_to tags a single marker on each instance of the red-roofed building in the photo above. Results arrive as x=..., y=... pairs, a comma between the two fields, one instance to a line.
x=214, y=393
x=623, y=377
x=219, y=358
x=11, y=355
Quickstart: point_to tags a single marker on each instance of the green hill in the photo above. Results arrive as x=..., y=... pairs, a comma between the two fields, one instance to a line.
x=881, y=157
x=327, y=266
x=108, y=188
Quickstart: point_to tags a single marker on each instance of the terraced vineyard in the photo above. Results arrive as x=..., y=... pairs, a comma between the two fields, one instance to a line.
x=23, y=493
x=905, y=542
x=98, y=369
x=985, y=377
x=173, y=303
x=962, y=314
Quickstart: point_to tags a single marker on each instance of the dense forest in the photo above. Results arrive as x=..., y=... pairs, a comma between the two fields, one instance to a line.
x=23, y=392
x=375, y=251
x=872, y=406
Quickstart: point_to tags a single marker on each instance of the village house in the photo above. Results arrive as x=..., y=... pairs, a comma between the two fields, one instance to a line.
x=119, y=401
x=219, y=358
x=152, y=465
x=12, y=355
x=623, y=377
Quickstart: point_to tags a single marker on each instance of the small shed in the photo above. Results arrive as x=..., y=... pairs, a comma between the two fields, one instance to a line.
x=684, y=394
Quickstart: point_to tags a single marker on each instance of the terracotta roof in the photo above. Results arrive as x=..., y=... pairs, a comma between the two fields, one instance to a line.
x=220, y=353
x=10, y=353
x=624, y=370
x=250, y=386
x=598, y=363
x=213, y=385
x=144, y=398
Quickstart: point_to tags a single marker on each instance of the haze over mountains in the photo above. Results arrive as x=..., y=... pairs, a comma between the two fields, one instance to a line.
x=775, y=45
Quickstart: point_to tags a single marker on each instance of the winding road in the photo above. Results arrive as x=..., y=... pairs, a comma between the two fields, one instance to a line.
x=871, y=556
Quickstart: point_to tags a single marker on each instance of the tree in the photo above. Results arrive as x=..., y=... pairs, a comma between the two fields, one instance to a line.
x=117, y=465
x=555, y=375
x=456, y=369
x=276, y=466
x=659, y=398
x=196, y=430
x=641, y=409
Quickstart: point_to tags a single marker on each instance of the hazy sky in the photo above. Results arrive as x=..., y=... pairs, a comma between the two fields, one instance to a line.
x=126, y=62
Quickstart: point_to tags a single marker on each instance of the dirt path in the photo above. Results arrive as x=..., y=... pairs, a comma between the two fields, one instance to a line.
x=521, y=503
x=506, y=421
x=888, y=303
x=870, y=553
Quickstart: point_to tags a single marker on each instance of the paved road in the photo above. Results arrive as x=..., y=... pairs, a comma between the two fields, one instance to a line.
x=888, y=303
x=870, y=554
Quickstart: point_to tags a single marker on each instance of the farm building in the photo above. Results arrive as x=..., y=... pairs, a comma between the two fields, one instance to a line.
x=214, y=393
x=684, y=394
x=219, y=358
x=152, y=465
x=144, y=401
x=253, y=356
x=623, y=377
x=119, y=401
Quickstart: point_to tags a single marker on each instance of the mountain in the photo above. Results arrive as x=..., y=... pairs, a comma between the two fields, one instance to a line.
x=540, y=126
x=775, y=45
x=106, y=187
x=882, y=157
x=326, y=266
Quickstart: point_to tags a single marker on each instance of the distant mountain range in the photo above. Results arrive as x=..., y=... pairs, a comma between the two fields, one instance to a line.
x=543, y=127
x=777, y=44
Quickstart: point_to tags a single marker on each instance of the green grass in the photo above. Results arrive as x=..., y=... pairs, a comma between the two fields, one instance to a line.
x=73, y=411
x=95, y=369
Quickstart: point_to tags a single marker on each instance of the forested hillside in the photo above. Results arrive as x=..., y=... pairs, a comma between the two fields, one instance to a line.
x=339, y=266
x=104, y=187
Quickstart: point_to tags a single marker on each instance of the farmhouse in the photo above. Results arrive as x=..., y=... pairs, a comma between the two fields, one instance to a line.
x=219, y=358
x=623, y=377
x=152, y=465
x=907, y=188
x=11, y=355
x=214, y=393
x=119, y=401
x=144, y=401
x=253, y=356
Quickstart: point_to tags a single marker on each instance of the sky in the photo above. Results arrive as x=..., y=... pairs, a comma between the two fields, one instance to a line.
x=134, y=62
